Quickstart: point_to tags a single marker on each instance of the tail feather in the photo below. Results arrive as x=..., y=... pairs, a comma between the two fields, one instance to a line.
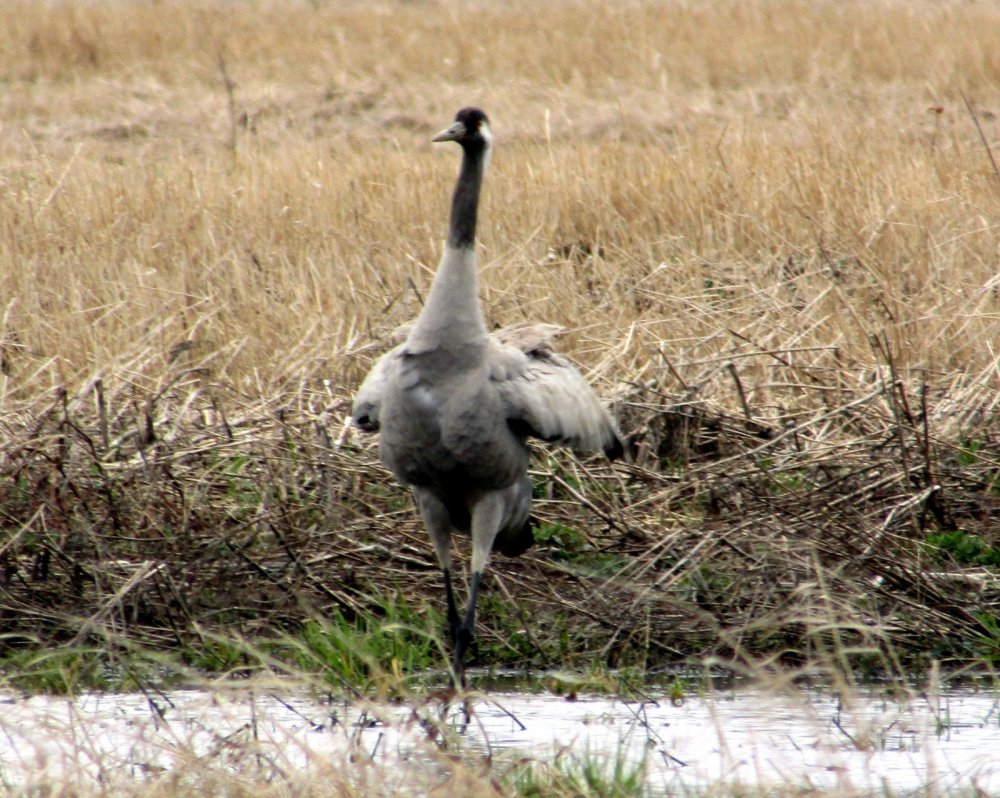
x=515, y=543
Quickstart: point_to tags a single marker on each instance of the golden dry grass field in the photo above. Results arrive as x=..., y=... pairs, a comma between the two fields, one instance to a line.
x=805, y=174
x=783, y=215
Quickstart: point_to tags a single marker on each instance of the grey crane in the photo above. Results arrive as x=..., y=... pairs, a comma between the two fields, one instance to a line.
x=454, y=405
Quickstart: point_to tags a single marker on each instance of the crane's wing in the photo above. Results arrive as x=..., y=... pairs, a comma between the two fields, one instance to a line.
x=368, y=399
x=545, y=396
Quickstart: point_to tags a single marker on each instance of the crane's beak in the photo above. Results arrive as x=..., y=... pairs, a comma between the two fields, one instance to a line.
x=453, y=133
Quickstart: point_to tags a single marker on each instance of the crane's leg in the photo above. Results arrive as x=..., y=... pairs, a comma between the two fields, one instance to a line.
x=449, y=595
x=438, y=524
x=487, y=516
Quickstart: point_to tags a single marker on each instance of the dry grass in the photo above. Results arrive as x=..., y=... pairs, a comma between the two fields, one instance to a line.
x=772, y=226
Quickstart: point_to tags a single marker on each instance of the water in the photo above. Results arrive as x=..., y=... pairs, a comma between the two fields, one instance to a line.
x=753, y=738
x=939, y=745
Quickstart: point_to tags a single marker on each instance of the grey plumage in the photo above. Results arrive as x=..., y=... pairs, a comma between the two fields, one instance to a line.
x=454, y=405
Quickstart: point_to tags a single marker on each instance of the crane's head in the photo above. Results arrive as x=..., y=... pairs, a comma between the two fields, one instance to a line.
x=471, y=128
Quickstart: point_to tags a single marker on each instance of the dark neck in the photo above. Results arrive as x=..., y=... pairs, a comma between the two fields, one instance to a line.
x=465, y=200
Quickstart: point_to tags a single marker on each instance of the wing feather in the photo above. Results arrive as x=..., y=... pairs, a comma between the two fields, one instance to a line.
x=543, y=394
x=368, y=399
x=546, y=397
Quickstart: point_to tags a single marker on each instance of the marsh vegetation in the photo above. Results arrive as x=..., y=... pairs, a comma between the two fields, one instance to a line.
x=770, y=228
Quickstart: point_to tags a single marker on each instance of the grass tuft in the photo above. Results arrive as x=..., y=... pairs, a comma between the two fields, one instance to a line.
x=586, y=775
x=386, y=654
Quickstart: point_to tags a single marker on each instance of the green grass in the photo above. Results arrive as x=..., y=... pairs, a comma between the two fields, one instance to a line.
x=218, y=655
x=387, y=653
x=70, y=670
x=986, y=645
x=962, y=548
x=587, y=775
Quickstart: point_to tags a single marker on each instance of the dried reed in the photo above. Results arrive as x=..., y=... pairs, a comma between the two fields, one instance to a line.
x=771, y=226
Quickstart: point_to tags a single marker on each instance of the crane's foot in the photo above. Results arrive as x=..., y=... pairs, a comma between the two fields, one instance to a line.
x=463, y=637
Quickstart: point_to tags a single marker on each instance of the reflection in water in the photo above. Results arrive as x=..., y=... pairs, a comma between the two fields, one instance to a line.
x=745, y=737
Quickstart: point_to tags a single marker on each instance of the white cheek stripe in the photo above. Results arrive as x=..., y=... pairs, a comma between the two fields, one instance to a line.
x=487, y=134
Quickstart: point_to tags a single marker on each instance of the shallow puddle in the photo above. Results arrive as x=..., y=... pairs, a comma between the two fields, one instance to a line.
x=938, y=745
x=752, y=738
